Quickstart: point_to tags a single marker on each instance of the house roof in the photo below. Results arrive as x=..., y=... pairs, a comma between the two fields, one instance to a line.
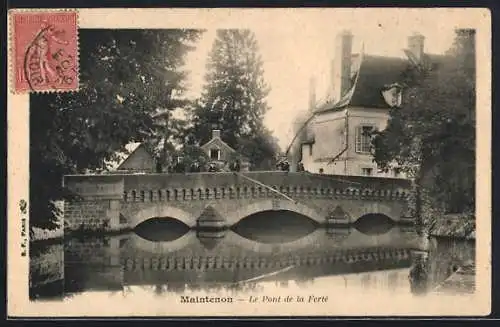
x=220, y=142
x=373, y=75
x=120, y=156
x=224, y=145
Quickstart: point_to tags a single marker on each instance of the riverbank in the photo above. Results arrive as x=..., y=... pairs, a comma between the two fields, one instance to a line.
x=39, y=234
x=455, y=269
x=462, y=281
x=50, y=236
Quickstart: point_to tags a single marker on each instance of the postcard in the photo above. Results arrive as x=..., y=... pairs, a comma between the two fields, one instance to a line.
x=249, y=162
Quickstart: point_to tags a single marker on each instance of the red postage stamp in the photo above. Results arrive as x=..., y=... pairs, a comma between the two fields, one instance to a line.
x=44, y=51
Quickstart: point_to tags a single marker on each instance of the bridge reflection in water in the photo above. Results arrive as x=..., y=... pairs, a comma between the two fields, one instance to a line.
x=171, y=258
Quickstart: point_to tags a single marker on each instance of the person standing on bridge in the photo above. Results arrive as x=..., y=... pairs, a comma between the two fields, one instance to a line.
x=300, y=167
x=235, y=166
x=285, y=166
x=180, y=167
x=212, y=168
x=195, y=167
x=159, y=168
x=282, y=165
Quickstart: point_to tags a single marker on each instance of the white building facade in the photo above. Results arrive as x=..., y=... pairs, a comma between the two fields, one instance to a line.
x=337, y=139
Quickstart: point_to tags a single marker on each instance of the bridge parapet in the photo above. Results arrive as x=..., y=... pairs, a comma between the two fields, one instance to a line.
x=246, y=192
x=210, y=186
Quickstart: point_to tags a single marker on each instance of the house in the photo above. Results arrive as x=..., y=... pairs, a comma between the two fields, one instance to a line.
x=133, y=158
x=220, y=153
x=335, y=139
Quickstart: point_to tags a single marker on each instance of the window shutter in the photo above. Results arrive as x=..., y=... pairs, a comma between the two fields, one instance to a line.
x=358, y=139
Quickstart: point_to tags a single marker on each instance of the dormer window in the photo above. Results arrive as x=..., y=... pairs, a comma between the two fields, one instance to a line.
x=215, y=154
x=393, y=94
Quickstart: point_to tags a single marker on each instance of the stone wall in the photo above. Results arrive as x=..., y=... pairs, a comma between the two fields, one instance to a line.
x=446, y=255
x=97, y=207
x=93, y=215
x=86, y=215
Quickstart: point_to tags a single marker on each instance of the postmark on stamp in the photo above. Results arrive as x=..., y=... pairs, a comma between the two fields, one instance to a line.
x=45, y=51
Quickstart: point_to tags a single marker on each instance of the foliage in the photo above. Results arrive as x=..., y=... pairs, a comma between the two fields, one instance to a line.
x=126, y=77
x=261, y=149
x=234, y=156
x=432, y=136
x=234, y=96
x=191, y=154
x=169, y=135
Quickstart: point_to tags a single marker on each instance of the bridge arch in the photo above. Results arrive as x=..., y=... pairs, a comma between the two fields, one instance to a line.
x=375, y=215
x=273, y=205
x=392, y=211
x=149, y=212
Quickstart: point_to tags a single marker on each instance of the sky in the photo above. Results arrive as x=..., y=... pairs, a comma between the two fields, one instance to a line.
x=293, y=53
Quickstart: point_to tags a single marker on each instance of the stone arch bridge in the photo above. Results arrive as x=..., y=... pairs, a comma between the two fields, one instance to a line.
x=113, y=202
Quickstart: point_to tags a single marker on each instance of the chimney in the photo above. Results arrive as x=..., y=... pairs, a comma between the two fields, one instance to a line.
x=416, y=45
x=215, y=133
x=332, y=94
x=312, y=94
x=341, y=69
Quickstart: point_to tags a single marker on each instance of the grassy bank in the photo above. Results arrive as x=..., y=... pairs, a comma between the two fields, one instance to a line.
x=460, y=226
x=39, y=234
x=53, y=236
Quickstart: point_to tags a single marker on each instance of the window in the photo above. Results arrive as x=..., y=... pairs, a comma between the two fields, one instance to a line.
x=310, y=149
x=215, y=154
x=366, y=171
x=363, y=139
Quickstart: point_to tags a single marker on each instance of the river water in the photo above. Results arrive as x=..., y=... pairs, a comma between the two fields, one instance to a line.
x=272, y=256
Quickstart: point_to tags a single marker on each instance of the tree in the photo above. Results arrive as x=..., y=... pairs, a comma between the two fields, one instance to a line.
x=234, y=96
x=169, y=134
x=432, y=136
x=261, y=150
x=191, y=154
x=126, y=77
